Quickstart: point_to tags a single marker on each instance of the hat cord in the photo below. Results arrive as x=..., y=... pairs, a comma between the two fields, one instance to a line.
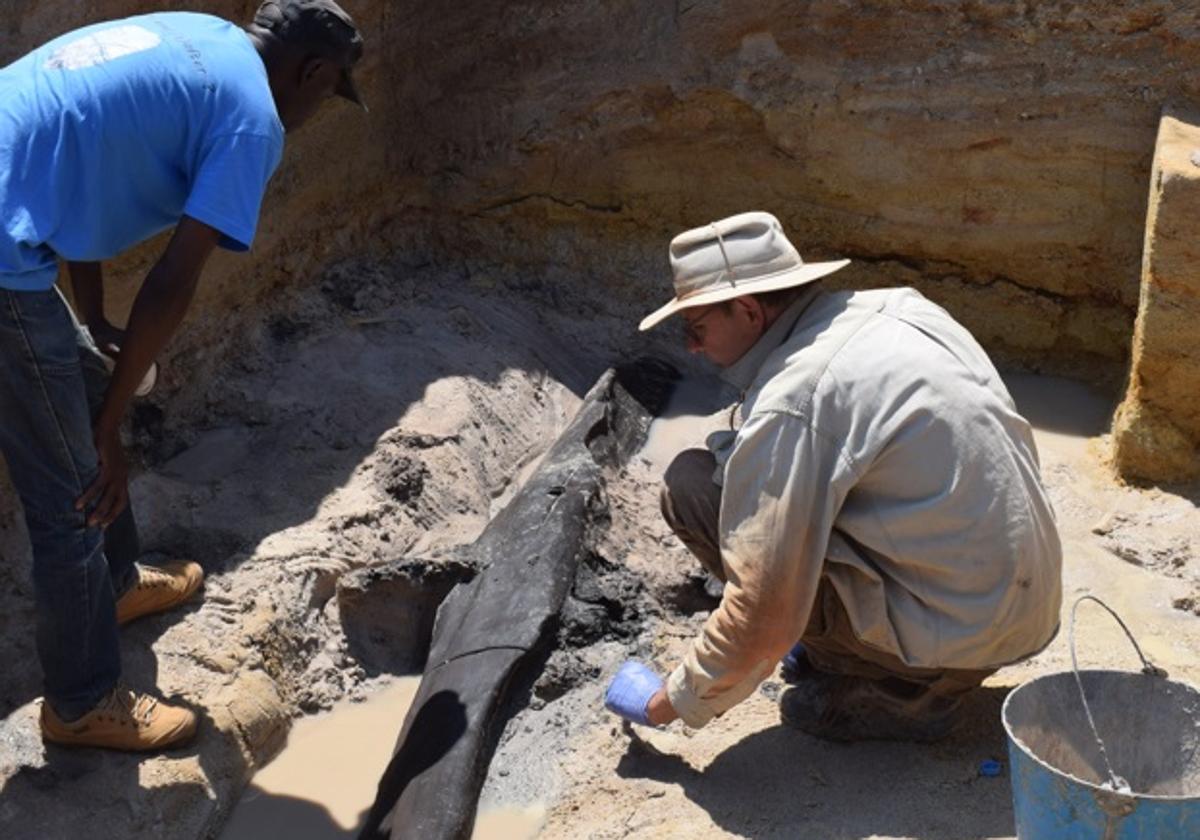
x=724, y=256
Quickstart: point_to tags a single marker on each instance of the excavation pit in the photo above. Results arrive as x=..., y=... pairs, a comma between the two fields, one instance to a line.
x=435, y=287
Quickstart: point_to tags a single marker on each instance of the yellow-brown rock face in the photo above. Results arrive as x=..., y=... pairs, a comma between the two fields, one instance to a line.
x=1157, y=428
x=993, y=153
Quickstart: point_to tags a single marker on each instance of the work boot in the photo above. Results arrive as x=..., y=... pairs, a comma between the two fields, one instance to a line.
x=159, y=588
x=123, y=720
x=838, y=708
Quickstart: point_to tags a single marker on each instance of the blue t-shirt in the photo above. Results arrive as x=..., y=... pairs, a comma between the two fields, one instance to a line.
x=109, y=134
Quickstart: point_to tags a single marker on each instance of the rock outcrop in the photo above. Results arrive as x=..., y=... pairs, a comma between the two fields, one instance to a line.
x=1157, y=428
x=995, y=154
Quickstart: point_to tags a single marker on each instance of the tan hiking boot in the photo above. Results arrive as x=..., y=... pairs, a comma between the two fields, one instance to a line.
x=123, y=720
x=159, y=588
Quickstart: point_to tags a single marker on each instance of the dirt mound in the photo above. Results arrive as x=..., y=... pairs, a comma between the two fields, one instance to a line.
x=347, y=440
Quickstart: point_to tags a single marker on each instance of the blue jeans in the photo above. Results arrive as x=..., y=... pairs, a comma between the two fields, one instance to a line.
x=52, y=382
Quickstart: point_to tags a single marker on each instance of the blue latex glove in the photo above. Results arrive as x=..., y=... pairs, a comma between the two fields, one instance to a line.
x=630, y=691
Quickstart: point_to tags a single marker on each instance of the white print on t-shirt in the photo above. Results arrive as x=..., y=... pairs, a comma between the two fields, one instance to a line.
x=102, y=46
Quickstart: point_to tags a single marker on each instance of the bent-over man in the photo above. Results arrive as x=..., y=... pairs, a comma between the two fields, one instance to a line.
x=108, y=135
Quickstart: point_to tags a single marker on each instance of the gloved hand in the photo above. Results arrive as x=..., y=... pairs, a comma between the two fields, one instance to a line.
x=630, y=691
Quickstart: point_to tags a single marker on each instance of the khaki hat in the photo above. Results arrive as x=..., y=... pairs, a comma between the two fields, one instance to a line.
x=745, y=254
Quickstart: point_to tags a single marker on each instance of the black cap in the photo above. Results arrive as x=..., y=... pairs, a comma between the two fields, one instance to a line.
x=321, y=27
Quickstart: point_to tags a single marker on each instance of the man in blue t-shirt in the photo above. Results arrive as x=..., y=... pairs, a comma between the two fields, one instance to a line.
x=109, y=135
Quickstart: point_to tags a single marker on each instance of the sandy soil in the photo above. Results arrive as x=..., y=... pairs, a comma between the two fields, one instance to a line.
x=746, y=775
x=391, y=413
x=385, y=414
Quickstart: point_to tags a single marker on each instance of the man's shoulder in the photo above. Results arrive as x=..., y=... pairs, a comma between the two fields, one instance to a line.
x=225, y=72
x=841, y=303
x=213, y=46
x=192, y=24
x=830, y=323
x=203, y=54
x=837, y=320
x=188, y=35
x=831, y=329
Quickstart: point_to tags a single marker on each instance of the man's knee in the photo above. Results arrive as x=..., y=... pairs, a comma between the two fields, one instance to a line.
x=691, y=505
x=690, y=472
x=689, y=498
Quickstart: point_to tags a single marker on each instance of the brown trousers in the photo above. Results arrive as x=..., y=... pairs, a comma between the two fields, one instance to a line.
x=691, y=504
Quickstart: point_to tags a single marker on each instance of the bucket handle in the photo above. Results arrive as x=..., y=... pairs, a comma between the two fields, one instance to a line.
x=1148, y=668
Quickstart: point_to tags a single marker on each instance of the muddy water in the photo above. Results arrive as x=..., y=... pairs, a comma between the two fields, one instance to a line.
x=322, y=784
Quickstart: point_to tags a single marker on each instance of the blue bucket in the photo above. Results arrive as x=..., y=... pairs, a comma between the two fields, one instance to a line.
x=1105, y=755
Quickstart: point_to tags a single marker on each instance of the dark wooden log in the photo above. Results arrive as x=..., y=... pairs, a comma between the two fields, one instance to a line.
x=493, y=631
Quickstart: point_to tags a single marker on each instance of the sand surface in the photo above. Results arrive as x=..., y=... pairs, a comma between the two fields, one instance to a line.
x=378, y=418
x=745, y=775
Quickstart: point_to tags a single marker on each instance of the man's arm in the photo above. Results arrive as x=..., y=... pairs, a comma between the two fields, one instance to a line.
x=87, y=287
x=157, y=312
x=784, y=485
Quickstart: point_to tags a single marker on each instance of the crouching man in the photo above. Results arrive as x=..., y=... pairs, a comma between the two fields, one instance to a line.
x=878, y=519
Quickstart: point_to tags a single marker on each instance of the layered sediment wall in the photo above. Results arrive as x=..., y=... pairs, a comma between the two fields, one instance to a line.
x=996, y=154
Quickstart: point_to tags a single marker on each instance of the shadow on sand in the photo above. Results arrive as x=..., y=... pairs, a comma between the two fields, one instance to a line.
x=779, y=783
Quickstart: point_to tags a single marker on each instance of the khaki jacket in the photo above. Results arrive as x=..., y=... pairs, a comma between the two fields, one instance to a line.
x=880, y=448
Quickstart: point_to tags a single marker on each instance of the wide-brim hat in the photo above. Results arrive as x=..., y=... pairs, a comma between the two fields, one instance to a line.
x=746, y=254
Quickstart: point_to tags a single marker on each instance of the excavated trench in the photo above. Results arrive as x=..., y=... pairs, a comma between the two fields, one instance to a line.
x=338, y=481
x=436, y=288
x=337, y=485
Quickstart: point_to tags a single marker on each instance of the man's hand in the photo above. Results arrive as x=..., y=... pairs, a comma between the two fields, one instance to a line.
x=631, y=692
x=110, y=490
x=107, y=337
x=157, y=310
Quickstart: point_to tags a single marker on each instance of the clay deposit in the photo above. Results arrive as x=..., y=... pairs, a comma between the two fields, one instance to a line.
x=437, y=285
